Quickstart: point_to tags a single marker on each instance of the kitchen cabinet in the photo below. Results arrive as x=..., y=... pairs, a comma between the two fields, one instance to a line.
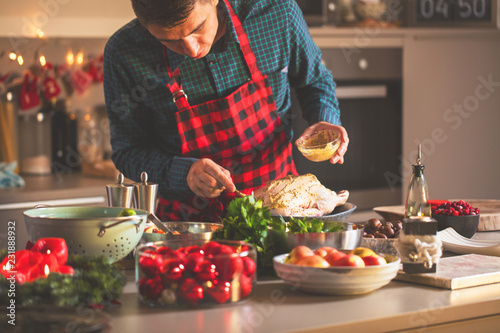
x=451, y=94
x=451, y=106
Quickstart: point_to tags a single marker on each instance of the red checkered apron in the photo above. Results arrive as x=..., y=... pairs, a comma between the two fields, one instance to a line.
x=241, y=132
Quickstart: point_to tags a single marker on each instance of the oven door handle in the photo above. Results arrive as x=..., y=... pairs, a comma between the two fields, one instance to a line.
x=356, y=92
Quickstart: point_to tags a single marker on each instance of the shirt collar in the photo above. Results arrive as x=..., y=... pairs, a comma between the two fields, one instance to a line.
x=175, y=59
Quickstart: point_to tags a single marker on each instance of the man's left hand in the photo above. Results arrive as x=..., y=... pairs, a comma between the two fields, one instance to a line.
x=344, y=138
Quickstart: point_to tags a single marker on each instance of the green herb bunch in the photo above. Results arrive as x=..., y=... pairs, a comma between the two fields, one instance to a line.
x=248, y=220
x=95, y=282
x=300, y=226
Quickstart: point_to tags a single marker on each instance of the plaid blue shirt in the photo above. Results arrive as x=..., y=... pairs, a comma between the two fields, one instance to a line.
x=141, y=112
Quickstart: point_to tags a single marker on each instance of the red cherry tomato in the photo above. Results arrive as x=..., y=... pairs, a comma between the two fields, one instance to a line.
x=190, y=291
x=249, y=266
x=150, y=288
x=173, y=270
x=245, y=285
x=220, y=292
x=207, y=271
x=151, y=264
x=193, y=261
x=223, y=249
x=208, y=248
x=194, y=249
x=166, y=251
x=228, y=266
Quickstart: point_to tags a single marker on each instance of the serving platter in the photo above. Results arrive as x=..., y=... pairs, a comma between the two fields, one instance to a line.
x=340, y=214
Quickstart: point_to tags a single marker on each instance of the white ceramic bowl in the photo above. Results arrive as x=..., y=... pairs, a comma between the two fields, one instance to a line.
x=337, y=280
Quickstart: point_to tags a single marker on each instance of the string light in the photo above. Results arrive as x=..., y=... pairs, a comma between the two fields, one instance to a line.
x=12, y=56
x=43, y=61
x=70, y=57
x=20, y=60
x=79, y=57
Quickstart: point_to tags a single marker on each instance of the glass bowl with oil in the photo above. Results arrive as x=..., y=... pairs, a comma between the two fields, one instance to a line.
x=321, y=146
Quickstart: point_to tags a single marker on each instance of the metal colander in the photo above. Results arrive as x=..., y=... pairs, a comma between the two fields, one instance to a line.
x=92, y=231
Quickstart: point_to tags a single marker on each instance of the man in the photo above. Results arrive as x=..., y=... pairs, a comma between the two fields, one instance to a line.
x=198, y=96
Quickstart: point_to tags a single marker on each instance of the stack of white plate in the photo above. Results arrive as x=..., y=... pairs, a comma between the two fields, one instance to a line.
x=456, y=243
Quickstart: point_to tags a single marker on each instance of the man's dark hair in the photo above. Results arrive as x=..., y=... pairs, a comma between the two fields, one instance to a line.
x=166, y=13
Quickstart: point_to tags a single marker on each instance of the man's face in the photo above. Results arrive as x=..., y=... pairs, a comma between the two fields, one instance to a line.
x=193, y=38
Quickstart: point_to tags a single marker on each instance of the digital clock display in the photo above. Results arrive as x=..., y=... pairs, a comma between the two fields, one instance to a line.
x=453, y=10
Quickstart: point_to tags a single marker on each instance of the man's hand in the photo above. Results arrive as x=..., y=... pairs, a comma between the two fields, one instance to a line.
x=344, y=139
x=208, y=179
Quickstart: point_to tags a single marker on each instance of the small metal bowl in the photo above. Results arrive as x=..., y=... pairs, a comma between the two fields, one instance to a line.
x=348, y=239
x=184, y=231
x=319, y=147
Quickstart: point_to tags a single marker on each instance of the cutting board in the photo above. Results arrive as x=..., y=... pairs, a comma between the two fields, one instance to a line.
x=459, y=272
x=489, y=219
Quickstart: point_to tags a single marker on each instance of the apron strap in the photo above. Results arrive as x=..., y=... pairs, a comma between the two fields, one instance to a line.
x=244, y=43
x=174, y=85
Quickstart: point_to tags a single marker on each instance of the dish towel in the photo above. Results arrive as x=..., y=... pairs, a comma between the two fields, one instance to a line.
x=8, y=178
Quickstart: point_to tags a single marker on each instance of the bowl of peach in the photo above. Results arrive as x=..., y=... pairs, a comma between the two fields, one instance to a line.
x=329, y=271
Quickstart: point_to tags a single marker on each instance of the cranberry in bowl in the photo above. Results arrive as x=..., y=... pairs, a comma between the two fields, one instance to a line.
x=459, y=215
x=195, y=273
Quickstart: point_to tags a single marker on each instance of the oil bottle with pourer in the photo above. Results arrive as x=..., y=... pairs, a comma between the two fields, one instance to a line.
x=418, y=244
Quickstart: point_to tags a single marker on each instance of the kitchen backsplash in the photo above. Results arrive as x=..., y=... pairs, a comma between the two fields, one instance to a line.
x=72, y=75
x=55, y=51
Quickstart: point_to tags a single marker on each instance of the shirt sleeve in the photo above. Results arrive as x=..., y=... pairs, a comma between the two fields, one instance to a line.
x=134, y=146
x=313, y=82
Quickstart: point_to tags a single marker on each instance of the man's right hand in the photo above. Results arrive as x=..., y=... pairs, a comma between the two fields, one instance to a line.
x=208, y=179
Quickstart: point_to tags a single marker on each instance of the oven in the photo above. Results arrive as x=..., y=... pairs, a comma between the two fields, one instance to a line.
x=369, y=90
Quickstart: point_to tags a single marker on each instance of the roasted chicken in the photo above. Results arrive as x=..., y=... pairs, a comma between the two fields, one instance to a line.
x=300, y=195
